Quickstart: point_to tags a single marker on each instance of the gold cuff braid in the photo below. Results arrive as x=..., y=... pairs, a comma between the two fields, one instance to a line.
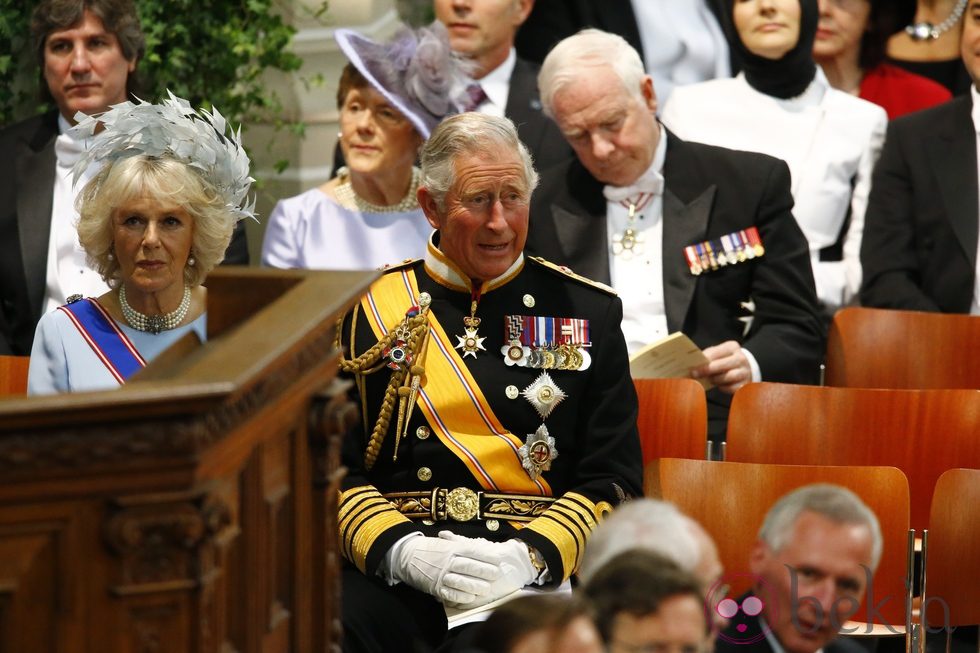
x=567, y=524
x=363, y=516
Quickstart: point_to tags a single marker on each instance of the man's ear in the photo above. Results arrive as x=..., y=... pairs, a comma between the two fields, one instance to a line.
x=523, y=8
x=429, y=206
x=649, y=94
x=759, y=556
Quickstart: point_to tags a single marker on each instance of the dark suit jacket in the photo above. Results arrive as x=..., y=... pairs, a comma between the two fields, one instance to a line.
x=710, y=191
x=27, y=170
x=753, y=640
x=537, y=131
x=919, y=250
x=552, y=20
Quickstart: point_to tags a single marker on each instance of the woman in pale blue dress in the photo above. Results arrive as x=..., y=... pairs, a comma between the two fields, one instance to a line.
x=153, y=222
x=391, y=95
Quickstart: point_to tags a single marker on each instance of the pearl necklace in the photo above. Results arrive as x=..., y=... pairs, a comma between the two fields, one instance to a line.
x=154, y=323
x=349, y=199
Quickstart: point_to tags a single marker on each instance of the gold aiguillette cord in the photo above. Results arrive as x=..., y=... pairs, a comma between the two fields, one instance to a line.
x=409, y=392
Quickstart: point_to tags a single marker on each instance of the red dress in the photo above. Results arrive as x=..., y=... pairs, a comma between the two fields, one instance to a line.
x=899, y=91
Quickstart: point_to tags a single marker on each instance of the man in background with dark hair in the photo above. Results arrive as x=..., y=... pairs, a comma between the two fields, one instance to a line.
x=645, y=602
x=483, y=31
x=87, y=53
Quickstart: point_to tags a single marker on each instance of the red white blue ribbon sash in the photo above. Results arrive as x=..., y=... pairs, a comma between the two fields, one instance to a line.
x=111, y=345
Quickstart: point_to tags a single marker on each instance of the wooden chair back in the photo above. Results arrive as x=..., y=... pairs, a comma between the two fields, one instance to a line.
x=673, y=418
x=13, y=375
x=953, y=550
x=884, y=348
x=731, y=500
x=922, y=432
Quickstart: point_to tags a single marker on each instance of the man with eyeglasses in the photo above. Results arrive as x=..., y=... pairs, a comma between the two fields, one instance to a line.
x=463, y=488
x=645, y=603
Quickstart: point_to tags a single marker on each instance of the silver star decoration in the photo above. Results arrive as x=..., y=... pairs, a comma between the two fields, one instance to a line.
x=544, y=394
x=537, y=452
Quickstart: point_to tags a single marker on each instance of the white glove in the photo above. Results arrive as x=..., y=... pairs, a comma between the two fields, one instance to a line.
x=511, y=558
x=449, y=570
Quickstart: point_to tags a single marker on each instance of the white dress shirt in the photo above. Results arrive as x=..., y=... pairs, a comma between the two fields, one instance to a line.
x=682, y=43
x=829, y=139
x=67, y=271
x=496, y=85
x=975, y=307
x=638, y=277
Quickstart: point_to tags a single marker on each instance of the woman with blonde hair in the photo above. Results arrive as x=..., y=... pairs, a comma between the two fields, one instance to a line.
x=154, y=221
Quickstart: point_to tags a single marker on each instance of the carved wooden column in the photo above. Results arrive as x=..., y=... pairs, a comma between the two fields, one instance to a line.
x=166, y=546
x=331, y=415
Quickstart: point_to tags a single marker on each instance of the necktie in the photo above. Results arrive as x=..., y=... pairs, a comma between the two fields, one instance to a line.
x=476, y=95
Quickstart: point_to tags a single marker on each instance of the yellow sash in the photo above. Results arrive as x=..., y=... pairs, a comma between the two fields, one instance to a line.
x=450, y=399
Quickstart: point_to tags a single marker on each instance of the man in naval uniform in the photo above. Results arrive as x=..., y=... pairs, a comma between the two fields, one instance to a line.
x=499, y=414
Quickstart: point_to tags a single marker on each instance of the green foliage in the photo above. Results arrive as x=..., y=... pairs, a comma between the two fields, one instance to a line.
x=17, y=86
x=211, y=52
x=415, y=12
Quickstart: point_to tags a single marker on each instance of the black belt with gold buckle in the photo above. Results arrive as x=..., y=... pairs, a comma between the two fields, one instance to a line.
x=463, y=504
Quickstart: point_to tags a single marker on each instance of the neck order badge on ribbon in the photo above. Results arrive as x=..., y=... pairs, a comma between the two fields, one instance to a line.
x=630, y=242
x=471, y=342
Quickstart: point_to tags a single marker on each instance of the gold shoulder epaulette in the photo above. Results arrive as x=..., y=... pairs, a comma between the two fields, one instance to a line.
x=561, y=269
x=392, y=267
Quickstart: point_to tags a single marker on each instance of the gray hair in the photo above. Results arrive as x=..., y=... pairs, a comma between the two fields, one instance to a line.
x=589, y=48
x=468, y=134
x=159, y=178
x=646, y=524
x=834, y=502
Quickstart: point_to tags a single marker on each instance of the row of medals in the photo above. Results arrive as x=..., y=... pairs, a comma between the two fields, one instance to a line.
x=560, y=357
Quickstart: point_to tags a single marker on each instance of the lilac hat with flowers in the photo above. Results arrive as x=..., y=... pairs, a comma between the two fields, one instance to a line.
x=416, y=71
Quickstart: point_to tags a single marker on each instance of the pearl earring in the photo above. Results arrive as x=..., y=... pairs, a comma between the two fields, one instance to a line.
x=191, y=261
x=110, y=256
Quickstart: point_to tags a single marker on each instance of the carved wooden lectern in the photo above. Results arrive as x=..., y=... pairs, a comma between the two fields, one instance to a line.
x=193, y=509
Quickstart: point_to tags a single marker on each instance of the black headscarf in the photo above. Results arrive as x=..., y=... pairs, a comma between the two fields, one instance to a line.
x=786, y=77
